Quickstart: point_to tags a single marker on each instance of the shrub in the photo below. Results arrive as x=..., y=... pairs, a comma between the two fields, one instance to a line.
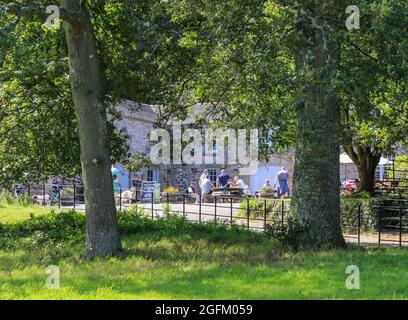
x=6, y=198
x=171, y=189
x=257, y=209
x=268, y=190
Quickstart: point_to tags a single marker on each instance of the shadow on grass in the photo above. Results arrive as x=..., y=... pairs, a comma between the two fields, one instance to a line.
x=319, y=276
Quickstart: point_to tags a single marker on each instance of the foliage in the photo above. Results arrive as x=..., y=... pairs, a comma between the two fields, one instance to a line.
x=367, y=209
x=401, y=170
x=258, y=208
x=38, y=125
x=6, y=198
x=267, y=189
x=137, y=162
x=171, y=189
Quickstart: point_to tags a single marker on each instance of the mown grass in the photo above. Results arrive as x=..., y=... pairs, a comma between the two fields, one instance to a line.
x=178, y=260
x=15, y=213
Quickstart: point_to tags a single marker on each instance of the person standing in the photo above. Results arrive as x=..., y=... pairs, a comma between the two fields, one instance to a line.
x=202, y=177
x=282, y=180
x=222, y=179
x=115, y=179
x=206, y=188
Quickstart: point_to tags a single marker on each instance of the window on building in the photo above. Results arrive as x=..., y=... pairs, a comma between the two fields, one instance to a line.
x=149, y=175
x=211, y=148
x=213, y=175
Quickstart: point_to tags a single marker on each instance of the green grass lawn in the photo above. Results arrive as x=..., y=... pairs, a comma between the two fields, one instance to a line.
x=184, y=261
x=17, y=213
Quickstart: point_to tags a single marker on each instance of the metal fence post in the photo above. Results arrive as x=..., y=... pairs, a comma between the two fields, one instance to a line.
x=199, y=209
x=168, y=205
x=74, y=193
x=231, y=209
x=44, y=194
x=59, y=197
x=215, y=210
x=400, y=225
x=264, y=215
x=283, y=215
x=248, y=213
x=184, y=205
x=379, y=227
x=152, y=205
x=120, y=199
x=359, y=224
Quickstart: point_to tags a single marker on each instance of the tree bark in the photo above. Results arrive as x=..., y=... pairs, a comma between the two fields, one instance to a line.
x=102, y=235
x=316, y=196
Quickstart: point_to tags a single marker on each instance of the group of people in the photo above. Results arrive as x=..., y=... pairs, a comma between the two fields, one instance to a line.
x=281, y=181
x=205, y=185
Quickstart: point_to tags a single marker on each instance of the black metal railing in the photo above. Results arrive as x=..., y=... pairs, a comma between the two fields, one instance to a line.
x=383, y=222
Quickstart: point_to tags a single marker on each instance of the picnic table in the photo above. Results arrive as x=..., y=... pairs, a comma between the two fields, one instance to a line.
x=227, y=192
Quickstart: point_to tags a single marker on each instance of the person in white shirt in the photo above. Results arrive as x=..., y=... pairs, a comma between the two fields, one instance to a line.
x=247, y=191
x=192, y=191
x=239, y=183
x=206, y=187
x=202, y=177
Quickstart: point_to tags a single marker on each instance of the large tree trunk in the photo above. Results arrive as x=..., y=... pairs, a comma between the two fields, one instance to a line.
x=316, y=196
x=366, y=162
x=102, y=235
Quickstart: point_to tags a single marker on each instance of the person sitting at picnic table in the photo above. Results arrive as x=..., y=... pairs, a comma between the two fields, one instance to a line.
x=192, y=191
x=237, y=183
x=223, y=179
x=267, y=184
x=247, y=191
x=282, y=179
x=206, y=187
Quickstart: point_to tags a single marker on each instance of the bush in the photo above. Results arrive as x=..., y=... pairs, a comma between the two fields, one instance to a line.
x=6, y=198
x=171, y=189
x=401, y=170
x=268, y=190
x=257, y=209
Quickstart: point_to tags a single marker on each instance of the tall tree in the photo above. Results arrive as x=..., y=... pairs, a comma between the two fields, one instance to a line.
x=373, y=86
x=102, y=234
x=255, y=59
x=316, y=198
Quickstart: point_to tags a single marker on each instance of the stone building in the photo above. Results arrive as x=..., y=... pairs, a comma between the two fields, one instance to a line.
x=139, y=124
